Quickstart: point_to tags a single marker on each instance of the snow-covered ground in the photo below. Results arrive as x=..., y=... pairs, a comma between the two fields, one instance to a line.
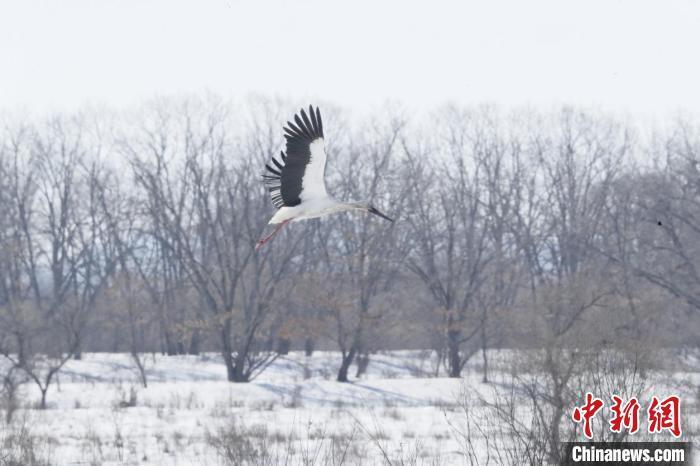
x=295, y=411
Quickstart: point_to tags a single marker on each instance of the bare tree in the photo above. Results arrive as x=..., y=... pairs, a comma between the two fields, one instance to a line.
x=505, y=185
x=63, y=262
x=450, y=233
x=578, y=159
x=202, y=190
x=660, y=238
x=362, y=255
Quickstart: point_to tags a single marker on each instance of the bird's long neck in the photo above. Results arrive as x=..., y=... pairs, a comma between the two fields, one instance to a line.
x=355, y=205
x=339, y=206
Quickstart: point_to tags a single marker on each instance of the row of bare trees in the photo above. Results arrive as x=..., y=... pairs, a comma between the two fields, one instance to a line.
x=135, y=232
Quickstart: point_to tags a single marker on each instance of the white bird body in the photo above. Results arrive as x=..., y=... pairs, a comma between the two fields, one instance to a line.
x=313, y=208
x=297, y=183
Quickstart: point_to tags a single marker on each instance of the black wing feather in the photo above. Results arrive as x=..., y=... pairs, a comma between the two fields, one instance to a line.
x=302, y=125
x=277, y=164
x=285, y=184
x=318, y=119
x=272, y=170
x=292, y=130
x=314, y=123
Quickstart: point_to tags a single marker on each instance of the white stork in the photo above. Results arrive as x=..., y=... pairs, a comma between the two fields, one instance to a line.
x=296, y=181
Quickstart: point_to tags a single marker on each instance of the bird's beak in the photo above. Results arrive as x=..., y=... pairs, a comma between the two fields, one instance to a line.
x=373, y=210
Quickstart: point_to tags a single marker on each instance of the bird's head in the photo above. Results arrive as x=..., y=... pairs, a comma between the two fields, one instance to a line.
x=373, y=210
x=366, y=206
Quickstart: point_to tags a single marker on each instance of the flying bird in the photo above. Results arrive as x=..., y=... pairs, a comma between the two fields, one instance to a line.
x=296, y=180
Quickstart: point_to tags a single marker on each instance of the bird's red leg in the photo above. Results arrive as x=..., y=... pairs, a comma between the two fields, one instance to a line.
x=268, y=237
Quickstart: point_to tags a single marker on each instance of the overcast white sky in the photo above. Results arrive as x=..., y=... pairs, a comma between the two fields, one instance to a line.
x=631, y=56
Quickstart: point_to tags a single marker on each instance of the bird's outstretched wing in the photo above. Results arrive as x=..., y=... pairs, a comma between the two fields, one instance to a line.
x=298, y=175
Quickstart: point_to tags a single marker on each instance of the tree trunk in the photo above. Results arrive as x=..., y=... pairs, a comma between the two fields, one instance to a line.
x=21, y=355
x=226, y=351
x=485, y=378
x=345, y=364
x=309, y=346
x=43, y=396
x=141, y=368
x=362, y=364
x=170, y=348
x=350, y=356
x=283, y=346
x=453, y=357
x=230, y=369
x=239, y=375
x=194, y=343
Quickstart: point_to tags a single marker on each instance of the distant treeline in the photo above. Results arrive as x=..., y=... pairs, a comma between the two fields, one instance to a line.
x=135, y=232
